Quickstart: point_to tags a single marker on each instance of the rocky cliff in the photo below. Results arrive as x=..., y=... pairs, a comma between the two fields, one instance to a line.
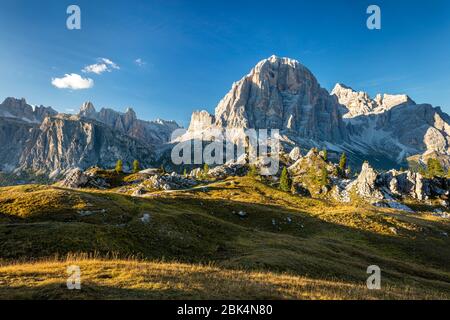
x=20, y=109
x=393, y=124
x=41, y=141
x=283, y=94
x=278, y=93
x=67, y=142
x=151, y=132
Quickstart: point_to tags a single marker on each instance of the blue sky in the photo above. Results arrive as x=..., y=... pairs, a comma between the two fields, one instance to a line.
x=193, y=50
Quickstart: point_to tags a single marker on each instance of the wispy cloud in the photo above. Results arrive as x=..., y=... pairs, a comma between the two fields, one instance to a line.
x=72, y=81
x=140, y=62
x=103, y=65
x=97, y=68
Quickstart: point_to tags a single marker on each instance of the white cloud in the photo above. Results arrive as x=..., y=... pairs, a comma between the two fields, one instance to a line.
x=72, y=81
x=110, y=63
x=103, y=65
x=97, y=68
x=140, y=62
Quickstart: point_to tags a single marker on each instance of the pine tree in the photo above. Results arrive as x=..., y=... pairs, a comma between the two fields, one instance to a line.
x=136, y=167
x=422, y=171
x=284, y=180
x=434, y=168
x=343, y=162
x=252, y=171
x=119, y=166
x=323, y=180
x=205, y=170
x=325, y=154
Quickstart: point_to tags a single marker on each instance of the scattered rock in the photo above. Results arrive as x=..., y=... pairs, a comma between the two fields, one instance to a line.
x=76, y=178
x=151, y=171
x=229, y=169
x=145, y=218
x=139, y=191
x=242, y=214
x=85, y=213
x=393, y=230
x=439, y=213
x=295, y=154
x=365, y=184
x=171, y=181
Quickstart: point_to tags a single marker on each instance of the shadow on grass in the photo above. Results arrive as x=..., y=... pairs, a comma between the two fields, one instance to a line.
x=201, y=230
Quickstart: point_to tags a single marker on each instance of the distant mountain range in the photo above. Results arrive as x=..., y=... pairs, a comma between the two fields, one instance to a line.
x=278, y=93
x=43, y=141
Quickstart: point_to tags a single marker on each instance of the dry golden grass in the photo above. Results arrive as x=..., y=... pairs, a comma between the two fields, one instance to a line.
x=323, y=250
x=133, y=279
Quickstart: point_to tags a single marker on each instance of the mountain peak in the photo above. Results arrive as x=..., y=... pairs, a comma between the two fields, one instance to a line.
x=275, y=62
x=14, y=102
x=278, y=93
x=340, y=86
x=359, y=102
x=87, y=109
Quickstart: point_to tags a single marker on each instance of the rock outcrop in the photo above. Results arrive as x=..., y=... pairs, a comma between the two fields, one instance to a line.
x=366, y=183
x=171, y=181
x=359, y=103
x=41, y=141
x=394, y=125
x=149, y=132
x=61, y=143
x=77, y=178
x=384, y=189
x=20, y=109
x=280, y=93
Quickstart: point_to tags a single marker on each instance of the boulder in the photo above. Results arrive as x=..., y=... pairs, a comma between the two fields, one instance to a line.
x=74, y=178
x=171, y=181
x=366, y=183
x=295, y=154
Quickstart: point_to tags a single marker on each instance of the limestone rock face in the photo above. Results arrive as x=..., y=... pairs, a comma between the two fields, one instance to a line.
x=19, y=109
x=366, y=183
x=385, y=186
x=61, y=143
x=201, y=120
x=149, y=132
x=281, y=93
x=14, y=134
x=76, y=178
x=229, y=169
x=278, y=93
x=359, y=103
x=172, y=181
x=394, y=125
x=295, y=154
x=40, y=140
